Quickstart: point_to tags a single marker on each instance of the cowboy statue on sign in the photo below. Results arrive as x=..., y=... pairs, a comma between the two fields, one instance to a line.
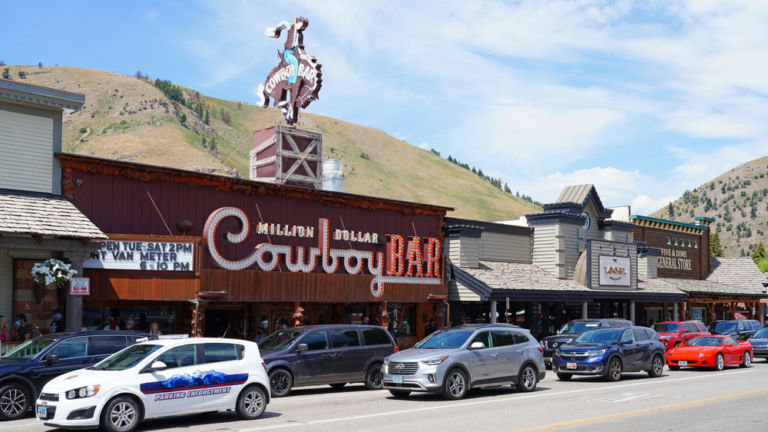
x=295, y=82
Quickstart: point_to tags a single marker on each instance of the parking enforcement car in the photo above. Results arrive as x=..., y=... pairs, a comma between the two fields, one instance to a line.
x=159, y=378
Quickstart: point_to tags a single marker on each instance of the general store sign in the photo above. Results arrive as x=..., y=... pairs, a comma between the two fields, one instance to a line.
x=614, y=270
x=412, y=260
x=142, y=255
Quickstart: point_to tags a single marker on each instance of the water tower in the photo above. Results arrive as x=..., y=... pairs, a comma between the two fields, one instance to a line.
x=333, y=176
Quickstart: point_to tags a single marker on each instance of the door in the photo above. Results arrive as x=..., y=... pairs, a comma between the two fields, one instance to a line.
x=347, y=359
x=643, y=340
x=731, y=353
x=632, y=352
x=72, y=354
x=509, y=345
x=482, y=361
x=165, y=391
x=226, y=360
x=311, y=366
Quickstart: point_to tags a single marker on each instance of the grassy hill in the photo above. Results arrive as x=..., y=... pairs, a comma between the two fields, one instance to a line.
x=129, y=118
x=738, y=200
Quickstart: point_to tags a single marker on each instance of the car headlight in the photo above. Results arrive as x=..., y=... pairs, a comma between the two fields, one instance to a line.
x=83, y=392
x=699, y=354
x=595, y=352
x=434, y=361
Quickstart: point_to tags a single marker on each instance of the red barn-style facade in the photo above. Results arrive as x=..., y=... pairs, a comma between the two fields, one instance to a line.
x=247, y=254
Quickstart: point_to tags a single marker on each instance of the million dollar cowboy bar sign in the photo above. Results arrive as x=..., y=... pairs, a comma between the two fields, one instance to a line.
x=408, y=260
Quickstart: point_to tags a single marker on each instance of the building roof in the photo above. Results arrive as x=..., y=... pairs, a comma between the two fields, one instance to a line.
x=40, y=96
x=44, y=215
x=740, y=275
x=528, y=282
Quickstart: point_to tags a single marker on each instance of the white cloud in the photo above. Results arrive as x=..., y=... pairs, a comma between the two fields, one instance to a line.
x=423, y=145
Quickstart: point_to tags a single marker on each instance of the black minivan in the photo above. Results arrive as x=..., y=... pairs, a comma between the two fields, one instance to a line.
x=325, y=354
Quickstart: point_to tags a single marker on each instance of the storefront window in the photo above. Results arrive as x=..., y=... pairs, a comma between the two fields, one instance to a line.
x=130, y=318
x=402, y=319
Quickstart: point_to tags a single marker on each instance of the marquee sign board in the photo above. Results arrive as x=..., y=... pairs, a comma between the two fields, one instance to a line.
x=615, y=271
x=296, y=80
x=408, y=260
x=142, y=255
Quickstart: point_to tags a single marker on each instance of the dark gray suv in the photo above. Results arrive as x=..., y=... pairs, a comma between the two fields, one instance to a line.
x=454, y=360
x=325, y=354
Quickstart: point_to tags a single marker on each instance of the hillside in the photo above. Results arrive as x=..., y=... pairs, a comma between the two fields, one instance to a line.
x=738, y=200
x=130, y=119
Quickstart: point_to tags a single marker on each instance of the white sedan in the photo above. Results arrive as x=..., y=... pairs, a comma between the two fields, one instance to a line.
x=159, y=378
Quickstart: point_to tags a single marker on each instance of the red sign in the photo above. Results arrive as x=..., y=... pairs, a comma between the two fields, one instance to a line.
x=80, y=286
x=415, y=260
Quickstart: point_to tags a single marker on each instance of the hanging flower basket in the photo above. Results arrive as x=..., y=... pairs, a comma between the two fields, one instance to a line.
x=52, y=272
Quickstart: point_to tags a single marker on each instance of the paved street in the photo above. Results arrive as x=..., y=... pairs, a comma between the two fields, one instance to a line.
x=680, y=400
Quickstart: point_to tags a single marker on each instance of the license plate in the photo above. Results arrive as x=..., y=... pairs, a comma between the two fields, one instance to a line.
x=42, y=411
x=397, y=379
x=570, y=365
x=682, y=363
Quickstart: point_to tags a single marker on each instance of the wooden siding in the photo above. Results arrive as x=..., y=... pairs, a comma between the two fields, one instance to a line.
x=142, y=285
x=453, y=249
x=26, y=143
x=571, y=250
x=459, y=292
x=249, y=285
x=505, y=247
x=469, y=252
x=545, y=247
x=599, y=248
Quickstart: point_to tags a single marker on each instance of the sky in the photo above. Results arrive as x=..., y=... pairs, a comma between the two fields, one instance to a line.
x=644, y=99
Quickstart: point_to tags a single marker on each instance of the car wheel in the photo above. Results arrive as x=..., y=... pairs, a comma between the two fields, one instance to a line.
x=564, y=376
x=527, y=379
x=657, y=367
x=281, y=381
x=14, y=401
x=719, y=363
x=673, y=367
x=614, y=370
x=747, y=361
x=374, y=379
x=251, y=403
x=455, y=385
x=338, y=386
x=120, y=415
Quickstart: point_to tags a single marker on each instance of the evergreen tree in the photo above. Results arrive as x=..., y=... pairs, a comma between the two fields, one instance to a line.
x=671, y=210
x=715, y=247
x=207, y=118
x=759, y=252
x=183, y=118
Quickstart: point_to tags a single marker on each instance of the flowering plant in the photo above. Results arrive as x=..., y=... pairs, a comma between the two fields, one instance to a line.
x=52, y=272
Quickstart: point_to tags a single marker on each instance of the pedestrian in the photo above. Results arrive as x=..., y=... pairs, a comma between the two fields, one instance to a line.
x=430, y=327
x=259, y=335
x=154, y=328
x=4, y=330
x=57, y=325
x=23, y=329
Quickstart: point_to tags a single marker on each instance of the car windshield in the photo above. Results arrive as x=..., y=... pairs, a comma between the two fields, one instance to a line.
x=666, y=327
x=722, y=327
x=578, y=327
x=761, y=334
x=601, y=336
x=705, y=341
x=445, y=339
x=126, y=358
x=280, y=339
x=31, y=348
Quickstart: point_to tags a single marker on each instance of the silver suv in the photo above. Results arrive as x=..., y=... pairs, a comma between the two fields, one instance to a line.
x=453, y=360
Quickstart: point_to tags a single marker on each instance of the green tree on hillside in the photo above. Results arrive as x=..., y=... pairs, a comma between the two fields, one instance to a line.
x=671, y=211
x=759, y=252
x=7, y=73
x=715, y=247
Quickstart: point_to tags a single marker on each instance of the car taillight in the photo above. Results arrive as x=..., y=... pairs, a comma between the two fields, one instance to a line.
x=541, y=350
x=265, y=366
x=397, y=349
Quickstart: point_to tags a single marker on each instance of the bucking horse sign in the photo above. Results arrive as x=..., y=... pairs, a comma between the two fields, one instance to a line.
x=295, y=82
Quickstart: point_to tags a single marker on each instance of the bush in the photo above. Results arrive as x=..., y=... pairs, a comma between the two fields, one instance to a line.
x=83, y=130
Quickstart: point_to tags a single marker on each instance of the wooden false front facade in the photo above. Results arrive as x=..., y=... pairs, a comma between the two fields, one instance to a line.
x=143, y=206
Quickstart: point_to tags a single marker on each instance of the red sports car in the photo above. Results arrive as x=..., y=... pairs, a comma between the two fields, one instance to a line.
x=714, y=351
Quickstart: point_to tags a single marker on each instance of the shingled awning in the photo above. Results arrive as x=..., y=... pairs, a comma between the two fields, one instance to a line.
x=43, y=215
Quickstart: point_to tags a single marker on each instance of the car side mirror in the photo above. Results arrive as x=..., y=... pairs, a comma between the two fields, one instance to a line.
x=477, y=345
x=302, y=347
x=156, y=365
x=51, y=358
x=728, y=345
x=626, y=342
x=685, y=331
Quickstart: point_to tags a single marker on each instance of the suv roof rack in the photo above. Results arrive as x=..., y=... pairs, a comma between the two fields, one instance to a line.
x=473, y=325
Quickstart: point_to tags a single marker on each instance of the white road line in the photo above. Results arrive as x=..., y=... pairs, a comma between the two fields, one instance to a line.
x=537, y=395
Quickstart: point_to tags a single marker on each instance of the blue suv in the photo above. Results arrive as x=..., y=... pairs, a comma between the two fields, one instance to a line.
x=609, y=352
x=25, y=369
